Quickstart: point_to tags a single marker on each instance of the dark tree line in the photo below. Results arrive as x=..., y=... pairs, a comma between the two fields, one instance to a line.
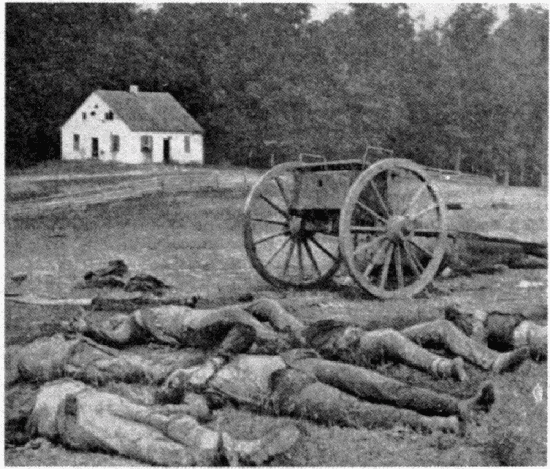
x=263, y=79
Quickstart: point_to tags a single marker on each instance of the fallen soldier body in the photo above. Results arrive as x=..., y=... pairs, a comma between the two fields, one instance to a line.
x=227, y=330
x=501, y=331
x=338, y=339
x=237, y=329
x=298, y=383
x=86, y=419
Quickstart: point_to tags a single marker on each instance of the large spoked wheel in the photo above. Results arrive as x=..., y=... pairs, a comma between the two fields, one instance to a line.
x=279, y=245
x=393, y=229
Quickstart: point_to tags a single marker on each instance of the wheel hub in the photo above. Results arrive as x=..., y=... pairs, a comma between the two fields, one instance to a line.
x=295, y=226
x=398, y=227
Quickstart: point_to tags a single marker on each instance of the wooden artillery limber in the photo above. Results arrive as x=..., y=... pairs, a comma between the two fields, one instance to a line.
x=385, y=220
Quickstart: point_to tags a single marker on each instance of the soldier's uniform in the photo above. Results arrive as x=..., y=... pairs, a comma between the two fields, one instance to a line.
x=501, y=331
x=227, y=330
x=86, y=419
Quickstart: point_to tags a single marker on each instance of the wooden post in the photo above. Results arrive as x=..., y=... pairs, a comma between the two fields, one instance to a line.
x=506, y=180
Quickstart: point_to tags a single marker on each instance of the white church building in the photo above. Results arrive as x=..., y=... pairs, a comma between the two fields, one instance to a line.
x=132, y=127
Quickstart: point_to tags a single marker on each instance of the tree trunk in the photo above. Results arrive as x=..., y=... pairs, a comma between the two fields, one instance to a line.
x=506, y=180
x=522, y=160
x=458, y=158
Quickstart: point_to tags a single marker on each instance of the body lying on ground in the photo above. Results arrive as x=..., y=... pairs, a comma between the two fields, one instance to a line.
x=501, y=331
x=86, y=419
x=298, y=383
x=239, y=329
x=228, y=330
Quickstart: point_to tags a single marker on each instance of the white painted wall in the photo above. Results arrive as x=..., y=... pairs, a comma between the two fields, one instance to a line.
x=96, y=126
x=177, y=147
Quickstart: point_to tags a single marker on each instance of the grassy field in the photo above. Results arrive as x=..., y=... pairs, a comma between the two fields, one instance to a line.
x=194, y=242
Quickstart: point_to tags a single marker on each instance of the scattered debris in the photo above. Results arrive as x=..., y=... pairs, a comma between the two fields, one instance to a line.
x=114, y=276
x=146, y=283
x=19, y=277
x=108, y=303
x=107, y=281
x=43, y=301
x=131, y=303
x=115, y=268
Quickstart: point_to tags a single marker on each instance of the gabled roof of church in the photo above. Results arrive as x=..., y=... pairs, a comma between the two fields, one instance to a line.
x=150, y=112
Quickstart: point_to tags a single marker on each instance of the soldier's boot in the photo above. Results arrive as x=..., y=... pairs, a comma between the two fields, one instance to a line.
x=471, y=409
x=256, y=452
x=510, y=361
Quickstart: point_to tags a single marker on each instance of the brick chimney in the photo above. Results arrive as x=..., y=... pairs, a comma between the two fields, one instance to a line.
x=134, y=89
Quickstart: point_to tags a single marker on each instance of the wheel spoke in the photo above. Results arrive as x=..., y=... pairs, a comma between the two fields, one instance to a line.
x=422, y=212
x=271, y=222
x=415, y=263
x=310, y=254
x=322, y=248
x=367, y=229
x=275, y=206
x=281, y=247
x=399, y=267
x=371, y=211
x=388, y=181
x=418, y=246
x=283, y=193
x=271, y=236
x=382, y=203
x=289, y=256
x=386, y=267
x=300, y=261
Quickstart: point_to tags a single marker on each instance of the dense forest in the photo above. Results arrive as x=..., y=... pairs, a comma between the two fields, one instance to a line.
x=469, y=94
